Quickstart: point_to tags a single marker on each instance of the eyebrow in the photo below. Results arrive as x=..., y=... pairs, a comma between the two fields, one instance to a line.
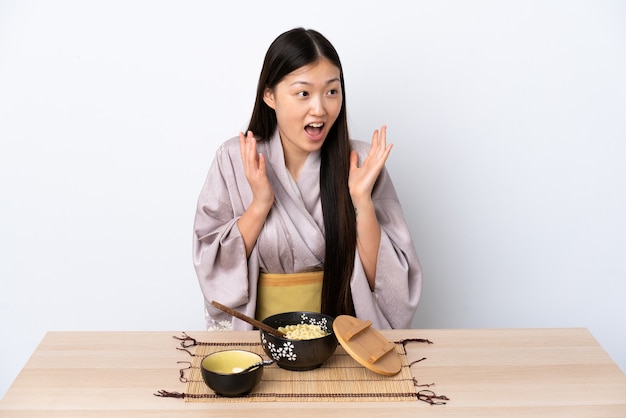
x=306, y=83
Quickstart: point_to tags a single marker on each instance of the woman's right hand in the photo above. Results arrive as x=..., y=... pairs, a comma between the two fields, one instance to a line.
x=256, y=174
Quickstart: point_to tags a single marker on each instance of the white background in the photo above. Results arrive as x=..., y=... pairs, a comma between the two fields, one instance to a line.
x=509, y=155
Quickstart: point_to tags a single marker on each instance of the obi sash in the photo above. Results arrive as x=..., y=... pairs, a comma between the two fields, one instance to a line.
x=279, y=293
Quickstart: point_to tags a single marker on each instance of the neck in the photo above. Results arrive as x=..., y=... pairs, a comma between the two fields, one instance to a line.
x=294, y=160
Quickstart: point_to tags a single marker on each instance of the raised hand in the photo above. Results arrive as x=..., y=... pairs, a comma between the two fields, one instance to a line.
x=361, y=182
x=255, y=171
x=251, y=221
x=361, y=179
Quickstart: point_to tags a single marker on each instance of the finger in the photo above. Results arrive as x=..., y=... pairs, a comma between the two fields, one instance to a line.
x=354, y=159
x=382, y=142
x=242, y=145
x=244, y=141
x=251, y=145
x=387, y=152
x=383, y=137
x=384, y=149
x=262, y=170
x=373, y=151
x=249, y=153
x=243, y=150
x=374, y=140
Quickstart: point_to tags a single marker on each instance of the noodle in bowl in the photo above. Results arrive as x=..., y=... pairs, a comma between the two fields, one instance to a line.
x=309, y=342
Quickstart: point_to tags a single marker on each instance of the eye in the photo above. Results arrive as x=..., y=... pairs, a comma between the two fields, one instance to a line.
x=333, y=92
x=302, y=93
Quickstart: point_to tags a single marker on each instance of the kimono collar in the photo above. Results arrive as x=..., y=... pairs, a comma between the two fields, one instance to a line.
x=276, y=157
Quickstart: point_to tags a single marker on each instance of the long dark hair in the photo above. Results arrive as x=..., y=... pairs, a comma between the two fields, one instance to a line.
x=290, y=51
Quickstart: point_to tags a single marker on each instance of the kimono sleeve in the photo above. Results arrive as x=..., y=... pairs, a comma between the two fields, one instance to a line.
x=219, y=255
x=398, y=286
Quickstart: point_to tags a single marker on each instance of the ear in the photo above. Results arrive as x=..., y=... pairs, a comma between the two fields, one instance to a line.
x=268, y=98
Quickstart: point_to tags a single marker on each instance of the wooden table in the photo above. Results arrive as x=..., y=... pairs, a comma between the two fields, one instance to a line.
x=498, y=373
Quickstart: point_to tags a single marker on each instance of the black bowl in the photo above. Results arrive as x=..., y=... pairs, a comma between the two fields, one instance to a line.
x=220, y=372
x=299, y=354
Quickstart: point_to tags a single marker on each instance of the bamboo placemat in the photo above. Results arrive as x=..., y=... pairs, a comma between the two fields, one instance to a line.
x=340, y=378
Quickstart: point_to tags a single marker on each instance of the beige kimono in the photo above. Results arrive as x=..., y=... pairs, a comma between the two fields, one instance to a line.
x=292, y=240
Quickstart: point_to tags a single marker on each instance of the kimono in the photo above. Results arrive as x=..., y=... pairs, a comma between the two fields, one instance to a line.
x=292, y=239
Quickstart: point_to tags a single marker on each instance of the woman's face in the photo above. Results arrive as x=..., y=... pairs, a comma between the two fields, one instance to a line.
x=307, y=102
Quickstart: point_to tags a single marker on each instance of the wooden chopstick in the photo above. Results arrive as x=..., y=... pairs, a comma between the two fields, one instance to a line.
x=247, y=319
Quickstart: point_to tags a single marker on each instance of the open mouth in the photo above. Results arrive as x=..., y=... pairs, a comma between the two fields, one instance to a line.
x=314, y=129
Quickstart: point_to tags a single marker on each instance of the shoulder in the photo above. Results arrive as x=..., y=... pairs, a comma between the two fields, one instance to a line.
x=361, y=147
x=226, y=158
x=228, y=151
x=230, y=146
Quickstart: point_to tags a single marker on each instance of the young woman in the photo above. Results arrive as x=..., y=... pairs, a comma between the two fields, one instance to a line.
x=293, y=214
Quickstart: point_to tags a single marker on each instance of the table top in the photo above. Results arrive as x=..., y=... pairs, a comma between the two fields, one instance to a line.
x=485, y=372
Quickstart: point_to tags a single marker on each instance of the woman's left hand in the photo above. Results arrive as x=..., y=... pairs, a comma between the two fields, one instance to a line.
x=361, y=180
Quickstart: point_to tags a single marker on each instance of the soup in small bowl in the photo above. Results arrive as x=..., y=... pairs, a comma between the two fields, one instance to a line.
x=222, y=372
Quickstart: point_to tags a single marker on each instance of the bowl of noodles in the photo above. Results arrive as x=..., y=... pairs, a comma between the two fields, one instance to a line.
x=309, y=340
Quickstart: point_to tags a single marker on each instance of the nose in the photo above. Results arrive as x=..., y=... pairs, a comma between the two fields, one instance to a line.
x=317, y=106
